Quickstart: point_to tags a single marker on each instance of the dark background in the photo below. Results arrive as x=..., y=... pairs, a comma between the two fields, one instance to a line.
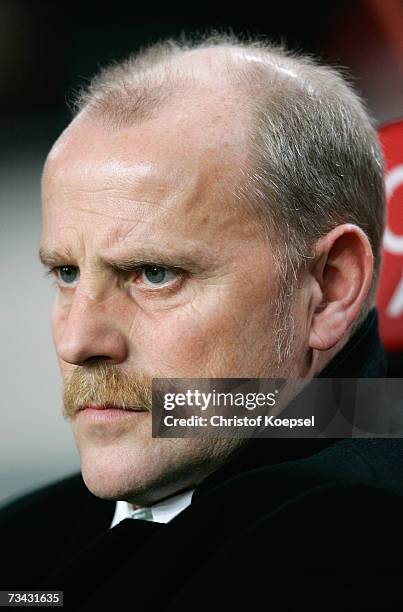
x=48, y=48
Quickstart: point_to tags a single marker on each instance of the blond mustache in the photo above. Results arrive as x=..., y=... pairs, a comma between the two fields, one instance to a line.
x=105, y=385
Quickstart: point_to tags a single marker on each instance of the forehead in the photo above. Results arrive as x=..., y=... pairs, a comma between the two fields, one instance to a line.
x=194, y=137
x=179, y=167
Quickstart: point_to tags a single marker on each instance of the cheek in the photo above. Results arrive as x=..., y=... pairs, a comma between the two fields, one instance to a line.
x=220, y=339
x=173, y=343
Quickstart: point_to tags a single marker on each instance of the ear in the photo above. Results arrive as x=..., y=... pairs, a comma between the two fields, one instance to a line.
x=342, y=273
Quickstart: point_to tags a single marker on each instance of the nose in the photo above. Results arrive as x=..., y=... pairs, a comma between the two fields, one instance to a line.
x=89, y=332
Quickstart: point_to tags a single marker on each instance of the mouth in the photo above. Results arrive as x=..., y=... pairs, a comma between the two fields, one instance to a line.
x=104, y=413
x=111, y=407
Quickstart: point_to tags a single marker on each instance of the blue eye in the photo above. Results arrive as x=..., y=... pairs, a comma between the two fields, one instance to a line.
x=157, y=275
x=68, y=274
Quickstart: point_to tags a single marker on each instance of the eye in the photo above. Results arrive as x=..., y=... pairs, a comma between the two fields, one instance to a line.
x=67, y=274
x=157, y=275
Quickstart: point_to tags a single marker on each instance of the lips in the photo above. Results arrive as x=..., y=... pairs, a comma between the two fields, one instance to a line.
x=108, y=414
x=111, y=407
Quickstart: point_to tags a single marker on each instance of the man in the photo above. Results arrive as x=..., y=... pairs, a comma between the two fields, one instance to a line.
x=213, y=210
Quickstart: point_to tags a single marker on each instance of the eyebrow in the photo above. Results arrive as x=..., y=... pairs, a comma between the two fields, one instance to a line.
x=195, y=264
x=54, y=258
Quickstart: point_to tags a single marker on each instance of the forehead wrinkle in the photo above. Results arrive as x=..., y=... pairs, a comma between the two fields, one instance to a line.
x=100, y=175
x=112, y=215
x=130, y=209
x=73, y=189
x=115, y=236
x=128, y=192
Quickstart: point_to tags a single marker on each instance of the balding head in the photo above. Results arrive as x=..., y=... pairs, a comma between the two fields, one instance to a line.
x=310, y=156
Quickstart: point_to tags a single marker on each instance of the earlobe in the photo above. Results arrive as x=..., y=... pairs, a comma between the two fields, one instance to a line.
x=342, y=276
x=328, y=327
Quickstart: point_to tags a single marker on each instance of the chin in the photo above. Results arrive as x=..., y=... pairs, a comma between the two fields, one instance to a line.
x=148, y=470
x=120, y=474
x=143, y=473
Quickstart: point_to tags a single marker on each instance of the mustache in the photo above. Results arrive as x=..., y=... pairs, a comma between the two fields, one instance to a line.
x=105, y=385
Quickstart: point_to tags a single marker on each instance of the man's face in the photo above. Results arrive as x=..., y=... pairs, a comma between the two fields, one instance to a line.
x=165, y=277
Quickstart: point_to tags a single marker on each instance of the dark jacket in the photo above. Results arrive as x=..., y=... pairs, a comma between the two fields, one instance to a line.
x=285, y=525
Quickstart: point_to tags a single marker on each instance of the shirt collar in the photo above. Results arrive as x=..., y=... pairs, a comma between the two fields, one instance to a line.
x=162, y=512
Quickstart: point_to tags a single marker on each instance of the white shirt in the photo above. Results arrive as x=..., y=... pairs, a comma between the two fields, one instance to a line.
x=162, y=512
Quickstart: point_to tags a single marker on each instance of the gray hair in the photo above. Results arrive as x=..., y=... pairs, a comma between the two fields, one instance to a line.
x=314, y=162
